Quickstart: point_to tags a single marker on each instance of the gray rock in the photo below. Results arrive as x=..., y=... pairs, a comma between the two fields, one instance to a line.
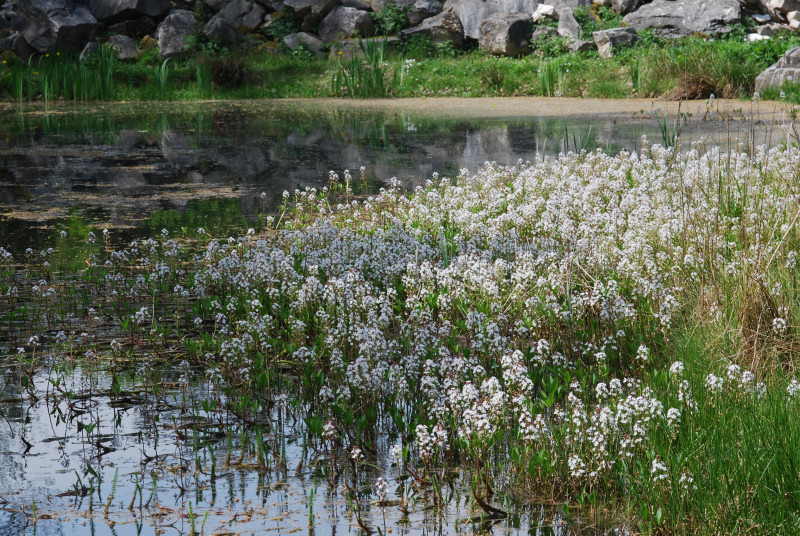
x=572, y=4
x=545, y=11
x=241, y=14
x=788, y=67
x=608, y=40
x=216, y=5
x=423, y=9
x=623, y=7
x=126, y=48
x=173, y=31
x=772, y=29
x=17, y=44
x=444, y=27
x=306, y=7
x=567, y=25
x=543, y=32
x=344, y=22
x=579, y=45
x=313, y=43
x=134, y=27
x=472, y=13
x=358, y=4
x=112, y=11
x=54, y=24
x=507, y=34
x=218, y=29
x=350, y=48
x=784, y=6
x=683, y=17
x=90, y=48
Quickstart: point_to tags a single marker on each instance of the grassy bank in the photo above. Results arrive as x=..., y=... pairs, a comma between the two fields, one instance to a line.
x=693, y=67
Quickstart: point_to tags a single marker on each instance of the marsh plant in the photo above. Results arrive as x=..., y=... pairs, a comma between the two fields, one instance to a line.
x=608, y=332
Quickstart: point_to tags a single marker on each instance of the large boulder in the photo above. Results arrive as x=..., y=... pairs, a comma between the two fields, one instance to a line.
x=472, y=13
x=319, y=8
x=216, y=5
x=17, y=44
x=443, y=28
x=173, y=31
x=345, y=22
x=112, y=11
x=219, y=30
x=567, y=24
x=124, y=45
x=623, y=7
x=54, y=24
x=507, y=34
x=784, y=6
x=423, y=9
x=787, y=68
x=311, y=42
x=241, y=14
x=608, y=40
x=572, y=4
x=138, y=27
x=683, y=17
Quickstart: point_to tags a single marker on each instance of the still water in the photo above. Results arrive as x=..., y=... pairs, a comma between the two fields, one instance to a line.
x=136, y=169
x=107, y=448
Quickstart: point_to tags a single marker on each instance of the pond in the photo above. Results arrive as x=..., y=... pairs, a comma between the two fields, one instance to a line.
x=112, y=423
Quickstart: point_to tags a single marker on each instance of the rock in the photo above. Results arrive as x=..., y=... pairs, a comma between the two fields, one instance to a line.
x=90, y=48
x=344, y=22
x=545, y=11
x=306, y=7
x=472, y=13
x=559, y=5
x=579, y=45
x=423, y=9
x=756, y=37
x=444, y=27
x=112, y=11
x=507, y=34
x=134, y=27
x=793, y=18
x=567, y=25
x=357, y=4
x=54, y=24
x=311, y=42
x=17, y=44
x=623, y=7
x=346, y=49
x=761, y=18
x=788, y=67
x=216, y=5
x=785, y=6
x=380, y=5
x=126, y=48
x=240, y=14
x=543, y=32
x=683, y=17
x=173, y=31
x=219, y=30
x=607, y=40
x=772, y=29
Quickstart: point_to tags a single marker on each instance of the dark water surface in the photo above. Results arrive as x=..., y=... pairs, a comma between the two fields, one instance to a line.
x=135, y=169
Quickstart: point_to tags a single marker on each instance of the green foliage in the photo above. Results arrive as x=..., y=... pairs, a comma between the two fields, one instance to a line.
x=420, y=47
x=362, y=77
x=390, y=20
x=550, y=46
x=161, y=79
x=282, y=25
x=593, y=21
x=203, y=76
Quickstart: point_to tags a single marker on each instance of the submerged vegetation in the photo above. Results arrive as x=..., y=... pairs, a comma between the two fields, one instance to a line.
x=693, y=67
x=610, y=333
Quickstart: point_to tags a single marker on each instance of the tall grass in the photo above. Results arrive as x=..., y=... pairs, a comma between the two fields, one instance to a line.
x=203, y=77
x=362, y=77
x=161, y=79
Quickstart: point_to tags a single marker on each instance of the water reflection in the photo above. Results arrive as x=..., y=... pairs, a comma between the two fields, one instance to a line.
x=131, y=168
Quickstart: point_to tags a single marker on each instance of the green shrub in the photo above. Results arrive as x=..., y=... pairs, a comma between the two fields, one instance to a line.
x=390, y=20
